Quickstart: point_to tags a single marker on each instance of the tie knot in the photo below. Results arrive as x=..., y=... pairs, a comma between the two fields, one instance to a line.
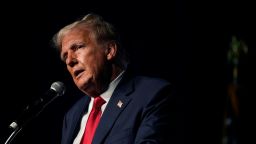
x=98, y=102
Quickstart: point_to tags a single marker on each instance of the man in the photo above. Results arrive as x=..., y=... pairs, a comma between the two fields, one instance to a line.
x=135, y=109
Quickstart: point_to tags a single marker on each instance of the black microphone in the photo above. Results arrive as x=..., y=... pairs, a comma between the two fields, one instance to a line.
x=35, y=108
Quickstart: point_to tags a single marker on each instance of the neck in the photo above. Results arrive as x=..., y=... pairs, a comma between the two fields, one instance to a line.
x=116, y=71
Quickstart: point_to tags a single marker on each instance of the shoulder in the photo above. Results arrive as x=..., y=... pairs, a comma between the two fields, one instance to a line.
x=131, y=75
x=148, y=88
x=151, y=83
x=151, y=80
x=154, y=91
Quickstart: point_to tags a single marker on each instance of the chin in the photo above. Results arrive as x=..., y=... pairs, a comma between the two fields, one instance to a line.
x=82, y=84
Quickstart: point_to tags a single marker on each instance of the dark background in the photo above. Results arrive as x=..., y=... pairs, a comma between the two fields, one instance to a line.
x=185, y=42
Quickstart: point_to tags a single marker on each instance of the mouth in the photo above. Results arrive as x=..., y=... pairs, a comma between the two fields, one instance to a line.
x=77, y=73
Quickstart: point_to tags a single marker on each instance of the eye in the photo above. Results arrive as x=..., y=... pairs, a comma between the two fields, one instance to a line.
x=78, y=46
x=73, y=48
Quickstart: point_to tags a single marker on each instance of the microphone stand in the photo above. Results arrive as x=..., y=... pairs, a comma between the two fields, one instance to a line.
x=13, y=135
x=28, y=117
x=16, y=128
x=31, y=111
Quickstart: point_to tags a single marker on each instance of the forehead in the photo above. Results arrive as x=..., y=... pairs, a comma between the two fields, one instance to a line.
x=77, y=33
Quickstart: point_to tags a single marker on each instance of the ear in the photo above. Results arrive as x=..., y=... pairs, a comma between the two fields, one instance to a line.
x=111, y=50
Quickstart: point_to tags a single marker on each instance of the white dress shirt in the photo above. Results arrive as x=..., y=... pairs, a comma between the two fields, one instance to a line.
x=106, y=96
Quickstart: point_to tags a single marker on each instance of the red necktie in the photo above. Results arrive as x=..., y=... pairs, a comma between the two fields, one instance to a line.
x=93, y=120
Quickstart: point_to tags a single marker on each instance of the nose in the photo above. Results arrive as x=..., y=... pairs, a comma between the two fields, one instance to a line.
x=71, y=60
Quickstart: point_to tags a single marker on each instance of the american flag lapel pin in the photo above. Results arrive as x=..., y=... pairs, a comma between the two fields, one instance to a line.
x=120, y=104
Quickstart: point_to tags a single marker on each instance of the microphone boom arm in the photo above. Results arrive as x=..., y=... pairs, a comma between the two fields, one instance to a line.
x=57, y=89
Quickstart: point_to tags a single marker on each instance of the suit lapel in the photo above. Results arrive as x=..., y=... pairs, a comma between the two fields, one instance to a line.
x=82, y=108
x=119, y=100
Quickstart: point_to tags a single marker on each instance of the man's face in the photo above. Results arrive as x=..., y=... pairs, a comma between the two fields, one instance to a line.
x=86, y=60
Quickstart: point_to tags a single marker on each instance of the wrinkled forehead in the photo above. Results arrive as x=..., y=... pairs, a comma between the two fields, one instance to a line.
x=78, y=32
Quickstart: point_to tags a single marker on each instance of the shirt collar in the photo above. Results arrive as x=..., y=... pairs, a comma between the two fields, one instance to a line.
x=108, y=93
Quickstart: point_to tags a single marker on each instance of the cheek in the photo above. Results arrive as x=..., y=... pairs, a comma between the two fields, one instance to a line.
x=94, y=61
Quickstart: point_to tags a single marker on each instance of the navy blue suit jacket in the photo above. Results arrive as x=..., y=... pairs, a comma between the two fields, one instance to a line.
x=144, y=117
